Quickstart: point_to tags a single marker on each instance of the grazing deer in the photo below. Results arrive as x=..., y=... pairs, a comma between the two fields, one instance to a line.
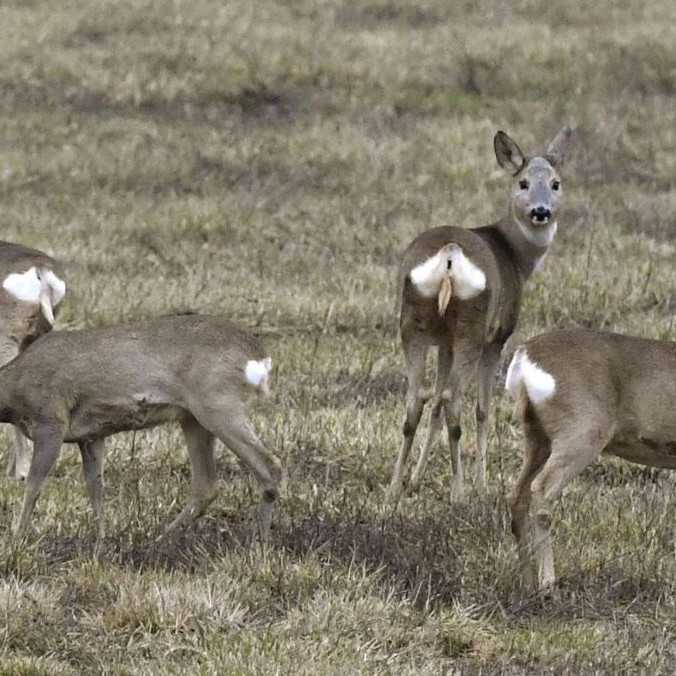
x=31, y=291
x=461, y=291
x=582, y=393
x=82, y=386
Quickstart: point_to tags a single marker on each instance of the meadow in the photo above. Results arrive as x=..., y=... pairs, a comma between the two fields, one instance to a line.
x=269, y=161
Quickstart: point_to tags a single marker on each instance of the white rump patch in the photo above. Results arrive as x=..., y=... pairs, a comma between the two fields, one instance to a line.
x=41, y=286
x=257, y=373
x=56, y=286
x=468, y=280
x=427, y=276
x=539, y=384
x=24, y=286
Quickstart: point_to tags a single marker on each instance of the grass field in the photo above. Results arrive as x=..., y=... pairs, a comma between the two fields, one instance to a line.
x=269, y=161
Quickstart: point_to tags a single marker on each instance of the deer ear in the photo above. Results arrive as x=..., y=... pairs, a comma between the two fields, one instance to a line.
x=556, y=150
x=508, y=153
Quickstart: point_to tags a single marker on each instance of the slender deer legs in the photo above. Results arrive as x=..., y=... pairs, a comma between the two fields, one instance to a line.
x=536, y=452
x=455, y=371
x=444, y=391
x=92, y=470
x=200, y=443
x=541, y=482
x=415, y=354
x=47, y=440
x=236, y=432
x=488, y=364
x=570, y=455
x=452, y=409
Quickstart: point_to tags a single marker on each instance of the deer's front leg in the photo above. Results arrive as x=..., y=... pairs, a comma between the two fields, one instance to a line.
x=48, y=438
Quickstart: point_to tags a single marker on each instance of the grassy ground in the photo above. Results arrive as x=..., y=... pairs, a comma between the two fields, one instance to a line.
x=269, y=161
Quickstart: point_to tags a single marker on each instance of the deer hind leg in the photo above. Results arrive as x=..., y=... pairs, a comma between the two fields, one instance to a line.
x=452, y=408
x=488, y=364
x=459, y=370
x=415, y=355
x=47, y=443
x=536, y=452
x=432, y=433
x=237, y=434
x=444, y=391
x=200, y=443
x=571, y=452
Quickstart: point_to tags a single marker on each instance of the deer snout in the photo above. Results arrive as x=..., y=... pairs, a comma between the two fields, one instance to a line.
x=540, y=214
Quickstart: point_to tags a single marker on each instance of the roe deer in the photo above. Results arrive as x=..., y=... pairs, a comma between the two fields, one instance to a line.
x=582, y=393
x=82, y=386
x=461, y=291
x=31, y=291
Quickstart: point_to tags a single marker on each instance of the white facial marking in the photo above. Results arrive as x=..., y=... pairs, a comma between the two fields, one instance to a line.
x=468, y=279
x=540, y=235
x=539, y=384
x=24, y=286
x=258, y=371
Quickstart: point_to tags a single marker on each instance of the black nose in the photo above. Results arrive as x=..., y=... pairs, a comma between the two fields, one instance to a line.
x=540, y=213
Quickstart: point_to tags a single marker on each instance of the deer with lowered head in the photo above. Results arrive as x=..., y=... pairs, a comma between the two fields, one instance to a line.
x=31, y=291
x=461, y=292
x=82, y=386
x=580, y=394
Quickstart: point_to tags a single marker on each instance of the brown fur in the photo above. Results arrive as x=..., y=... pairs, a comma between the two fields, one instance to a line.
x=20, y=324
x=470, y=333
x=82, y=386
x=614, y=394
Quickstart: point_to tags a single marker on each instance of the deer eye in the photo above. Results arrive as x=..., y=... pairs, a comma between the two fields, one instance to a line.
x=523, y=184
x=556, y=185
x=449, y=264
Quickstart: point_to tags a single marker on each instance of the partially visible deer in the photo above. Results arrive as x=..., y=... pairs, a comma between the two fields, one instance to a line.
x=31, y=291
x=82, y=386
x=461, y=292
x=580, y=394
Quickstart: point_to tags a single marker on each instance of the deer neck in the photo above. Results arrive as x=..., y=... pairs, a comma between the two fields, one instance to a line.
x=529, y=247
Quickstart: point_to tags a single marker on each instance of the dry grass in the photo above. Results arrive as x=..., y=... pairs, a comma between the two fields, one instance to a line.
x=269, y=161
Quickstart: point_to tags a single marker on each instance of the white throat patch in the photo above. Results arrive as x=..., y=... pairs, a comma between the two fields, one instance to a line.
x=543, y=236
